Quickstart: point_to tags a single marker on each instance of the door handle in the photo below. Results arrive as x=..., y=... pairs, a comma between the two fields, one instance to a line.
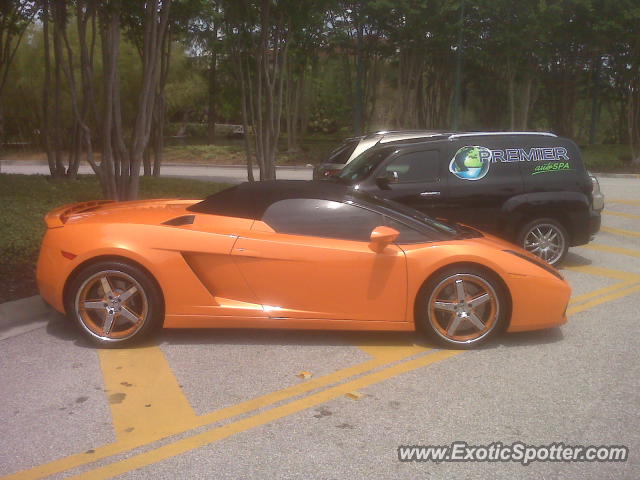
x=429, y=194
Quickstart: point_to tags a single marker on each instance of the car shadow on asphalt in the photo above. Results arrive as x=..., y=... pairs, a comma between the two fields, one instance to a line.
x=63, y=329
x=526, y=339
x=281, y=337
x=575, y=260
x=60, y=327
x=336, y=338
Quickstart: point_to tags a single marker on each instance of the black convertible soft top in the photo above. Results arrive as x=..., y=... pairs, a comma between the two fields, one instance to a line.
x=251, y=199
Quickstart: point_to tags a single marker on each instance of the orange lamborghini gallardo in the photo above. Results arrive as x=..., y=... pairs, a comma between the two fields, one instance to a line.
x=288, y=254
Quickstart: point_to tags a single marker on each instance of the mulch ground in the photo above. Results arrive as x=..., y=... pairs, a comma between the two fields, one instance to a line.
x=17, y=281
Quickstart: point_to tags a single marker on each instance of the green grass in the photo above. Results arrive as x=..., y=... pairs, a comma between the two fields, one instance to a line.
x=24, y=199
x=219, y=154
x=607, y=158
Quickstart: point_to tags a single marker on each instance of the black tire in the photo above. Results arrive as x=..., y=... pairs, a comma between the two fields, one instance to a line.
x=553, y=249
x=131, y=299
x=439, y=323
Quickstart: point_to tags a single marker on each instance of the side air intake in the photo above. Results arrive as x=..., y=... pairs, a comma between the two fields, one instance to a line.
x=178, y=221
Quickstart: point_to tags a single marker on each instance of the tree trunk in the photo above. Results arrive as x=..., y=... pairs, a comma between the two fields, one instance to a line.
x=358, y=107
x=146, y=160
x=158, y=133
x=155, y=30
x=288, y=107
x=58, y=127
x=511, y=92
x=46, y=93
x=1, y=132
x=634, y=120
x=525, y=103
x=110, y=41
x=239, y=63
x=295, y=82
x=410, y=70
x=212, y=90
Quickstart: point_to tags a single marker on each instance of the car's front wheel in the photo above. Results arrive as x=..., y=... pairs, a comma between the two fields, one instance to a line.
x=114, y=303
x=462, y=307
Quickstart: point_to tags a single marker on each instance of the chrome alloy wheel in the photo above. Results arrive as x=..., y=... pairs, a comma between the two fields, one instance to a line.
x=546, y=241
x=463, y=308
x=111, y=305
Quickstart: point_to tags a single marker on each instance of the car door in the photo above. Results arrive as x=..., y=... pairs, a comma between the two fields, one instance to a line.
x=413, y=178
x=317, y=264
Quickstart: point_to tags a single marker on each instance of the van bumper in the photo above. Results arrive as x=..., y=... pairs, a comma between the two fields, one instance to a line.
x=595, y=221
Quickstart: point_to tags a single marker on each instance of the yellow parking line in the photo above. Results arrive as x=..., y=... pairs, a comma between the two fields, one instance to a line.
x=606, y=298
x=620, y=231
x=382, y=357
x=210, y=436
x=600, y=291
x=608, y=249
x=625, y=202
x=621, y=214
x=606, y=272
x=145, y=398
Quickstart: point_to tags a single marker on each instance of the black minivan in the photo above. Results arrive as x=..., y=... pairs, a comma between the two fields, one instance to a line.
x=529, y=188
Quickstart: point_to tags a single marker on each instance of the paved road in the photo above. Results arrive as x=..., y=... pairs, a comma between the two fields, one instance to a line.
x=214, y=173
x=229, y=404
x=229, y=173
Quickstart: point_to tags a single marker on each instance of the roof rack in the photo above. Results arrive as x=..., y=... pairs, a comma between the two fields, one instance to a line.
x=386, y=132
x=477, y=134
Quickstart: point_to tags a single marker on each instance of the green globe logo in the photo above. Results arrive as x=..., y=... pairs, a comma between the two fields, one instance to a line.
x=471, y=163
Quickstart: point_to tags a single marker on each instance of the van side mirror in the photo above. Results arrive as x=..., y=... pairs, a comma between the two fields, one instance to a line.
x=381, y=237
x=387, y=179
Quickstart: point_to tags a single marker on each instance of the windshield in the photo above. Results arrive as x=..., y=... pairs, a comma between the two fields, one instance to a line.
x=362, y=166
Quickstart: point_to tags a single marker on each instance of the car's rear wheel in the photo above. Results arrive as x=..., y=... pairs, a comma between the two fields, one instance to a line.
x=462, y=307
x=114, y=303
x=546, y=238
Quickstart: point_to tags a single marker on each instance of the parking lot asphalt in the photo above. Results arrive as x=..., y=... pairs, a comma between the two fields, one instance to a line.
x=273, y=404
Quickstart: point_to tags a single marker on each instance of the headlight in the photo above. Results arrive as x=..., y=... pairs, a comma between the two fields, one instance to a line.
x=540, y=263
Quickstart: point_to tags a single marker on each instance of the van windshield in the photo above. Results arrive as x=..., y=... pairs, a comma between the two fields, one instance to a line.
x=362, y=166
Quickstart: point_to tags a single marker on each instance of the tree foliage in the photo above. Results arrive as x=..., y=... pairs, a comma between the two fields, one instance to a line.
x=107, y=76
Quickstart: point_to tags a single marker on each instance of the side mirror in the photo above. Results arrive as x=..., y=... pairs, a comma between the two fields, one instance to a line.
x=381, y=237
x=388, y=178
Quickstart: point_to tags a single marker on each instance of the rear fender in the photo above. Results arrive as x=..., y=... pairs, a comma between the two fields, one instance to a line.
x=571, y=209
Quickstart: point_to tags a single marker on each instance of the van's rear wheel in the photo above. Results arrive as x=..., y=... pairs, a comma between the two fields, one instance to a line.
x=546, y=238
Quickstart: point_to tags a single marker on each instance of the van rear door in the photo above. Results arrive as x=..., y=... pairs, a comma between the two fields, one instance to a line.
x=553, y=164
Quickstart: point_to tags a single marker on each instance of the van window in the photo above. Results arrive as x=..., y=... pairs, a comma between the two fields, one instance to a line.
x=415, y=166
x=362, y=166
